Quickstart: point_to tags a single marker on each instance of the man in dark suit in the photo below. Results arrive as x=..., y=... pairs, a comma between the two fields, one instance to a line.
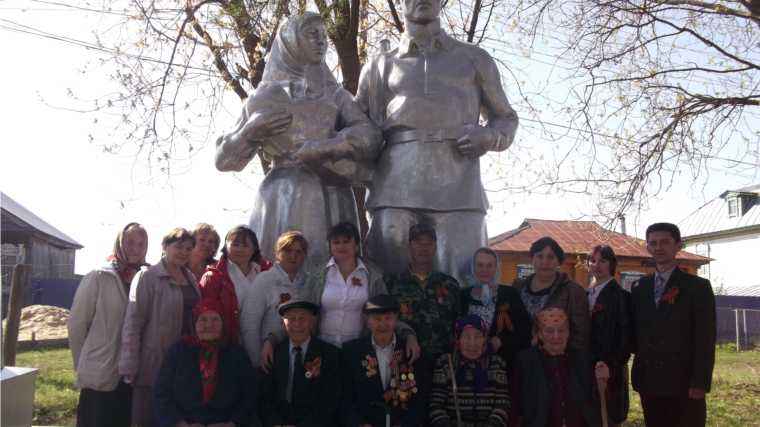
x=303, y=387
x=674, y=323
x=377, y=376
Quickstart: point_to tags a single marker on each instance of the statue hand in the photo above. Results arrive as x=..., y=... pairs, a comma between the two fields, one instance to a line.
x=477, y=142
x=263, y=124
x=311, y=151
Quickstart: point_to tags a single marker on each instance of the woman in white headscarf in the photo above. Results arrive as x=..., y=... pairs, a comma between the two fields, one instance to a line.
x=501, y=308
x=310, y=127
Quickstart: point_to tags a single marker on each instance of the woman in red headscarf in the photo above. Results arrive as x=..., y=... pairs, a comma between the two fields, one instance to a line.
x=95, y=322
x=205, y=379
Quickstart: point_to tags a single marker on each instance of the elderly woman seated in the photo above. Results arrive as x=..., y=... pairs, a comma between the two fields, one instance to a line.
x=472, y=375
x=553, y=384
x=206, y=379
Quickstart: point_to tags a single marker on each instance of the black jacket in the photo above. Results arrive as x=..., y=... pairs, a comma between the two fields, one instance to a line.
x=317, y=398
x=675, y=343
x=512, y=340
x=359, y=390
x=611, y=328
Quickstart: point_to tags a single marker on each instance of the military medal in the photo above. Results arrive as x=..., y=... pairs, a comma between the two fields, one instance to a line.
x=370, y=362
x=295, y=291
x=312, y=368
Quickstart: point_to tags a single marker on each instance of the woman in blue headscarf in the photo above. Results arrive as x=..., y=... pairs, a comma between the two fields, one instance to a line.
x=480, y=377
x=501, y=308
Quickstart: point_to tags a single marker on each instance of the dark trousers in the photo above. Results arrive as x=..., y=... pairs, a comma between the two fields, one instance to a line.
x=142, y=407
x=662, y=411
x=619, y=403
x=105, y=408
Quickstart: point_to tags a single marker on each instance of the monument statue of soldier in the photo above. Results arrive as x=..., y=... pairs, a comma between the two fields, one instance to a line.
x=315, y=134
x=427, y=96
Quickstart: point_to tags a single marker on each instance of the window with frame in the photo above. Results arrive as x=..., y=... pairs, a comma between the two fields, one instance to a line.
x=733, y=207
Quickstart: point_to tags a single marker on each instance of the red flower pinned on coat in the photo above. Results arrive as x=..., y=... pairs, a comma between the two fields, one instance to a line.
x=670, y=296
x=283, y=299
x=597, y=308
x=356, y=281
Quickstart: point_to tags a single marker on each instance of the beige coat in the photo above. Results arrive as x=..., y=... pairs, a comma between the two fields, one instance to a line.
x=95, y=323
x=153, y=322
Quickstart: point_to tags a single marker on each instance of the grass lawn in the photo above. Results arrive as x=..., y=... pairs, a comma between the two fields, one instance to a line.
x=734, y=400
x=55, y=400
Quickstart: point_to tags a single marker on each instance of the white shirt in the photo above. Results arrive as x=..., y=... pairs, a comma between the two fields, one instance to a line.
x=341, y=305
x=242, y=282
x=384, y=356
x=665, y=275
x=304, y=347
x=597, y=290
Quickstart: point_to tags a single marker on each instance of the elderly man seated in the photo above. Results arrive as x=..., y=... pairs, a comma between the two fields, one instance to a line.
x=572, y=399
x=303, y=386
x=378, y=379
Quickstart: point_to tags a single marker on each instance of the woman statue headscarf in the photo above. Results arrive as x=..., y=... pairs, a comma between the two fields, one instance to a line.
x=315, y=133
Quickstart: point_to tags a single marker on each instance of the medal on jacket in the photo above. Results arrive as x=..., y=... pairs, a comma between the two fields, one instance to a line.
x=441, y=291
x=312, y=368
x=402, y=385
x=370, y=362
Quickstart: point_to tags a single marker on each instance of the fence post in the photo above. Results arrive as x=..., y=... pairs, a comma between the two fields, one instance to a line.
x=736, y=316
x=744, y=318
x=15, y=304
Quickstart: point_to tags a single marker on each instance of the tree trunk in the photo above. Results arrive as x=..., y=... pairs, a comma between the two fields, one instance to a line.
x=15, y=304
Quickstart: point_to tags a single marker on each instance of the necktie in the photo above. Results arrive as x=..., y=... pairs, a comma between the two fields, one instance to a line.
x=658, y=288
x=297, y=370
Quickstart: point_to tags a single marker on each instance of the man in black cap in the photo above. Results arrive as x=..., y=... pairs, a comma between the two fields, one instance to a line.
x=428, y=299
x=377, y=376
x=302, y=388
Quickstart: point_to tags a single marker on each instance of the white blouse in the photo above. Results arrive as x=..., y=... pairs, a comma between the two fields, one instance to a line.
x=341, y=305
x=242, y=282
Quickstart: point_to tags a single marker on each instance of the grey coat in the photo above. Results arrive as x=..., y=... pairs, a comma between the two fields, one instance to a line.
x=153, y=322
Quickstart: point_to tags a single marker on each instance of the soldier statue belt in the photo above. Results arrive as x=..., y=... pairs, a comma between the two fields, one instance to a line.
x=425, y=135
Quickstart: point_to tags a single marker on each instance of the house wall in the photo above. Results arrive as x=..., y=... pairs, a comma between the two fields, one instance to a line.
x=733, y=261
x=508, y=263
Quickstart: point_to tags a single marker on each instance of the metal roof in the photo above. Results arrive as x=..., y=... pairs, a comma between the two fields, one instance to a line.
x=14, y=208
x=712, y=218
x=741, y=291
x=577, y=237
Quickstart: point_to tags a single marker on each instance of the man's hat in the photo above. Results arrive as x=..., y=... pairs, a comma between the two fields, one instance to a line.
x=381, y=304
x=298, y=303
x=418, y=229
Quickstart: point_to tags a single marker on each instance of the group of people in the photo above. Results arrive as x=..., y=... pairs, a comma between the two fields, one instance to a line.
x=257, y=343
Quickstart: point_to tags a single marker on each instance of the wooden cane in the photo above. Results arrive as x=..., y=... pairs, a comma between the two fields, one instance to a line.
x=454, y=389
x=600, y=383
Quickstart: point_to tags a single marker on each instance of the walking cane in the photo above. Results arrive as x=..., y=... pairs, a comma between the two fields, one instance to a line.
x=454, y=389
x=387, y=408
x=601, y=386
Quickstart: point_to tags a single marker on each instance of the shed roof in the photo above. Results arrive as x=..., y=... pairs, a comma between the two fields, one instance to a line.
x=712, y=218
x=577, y=237
x=742, y=291
x=34, y=222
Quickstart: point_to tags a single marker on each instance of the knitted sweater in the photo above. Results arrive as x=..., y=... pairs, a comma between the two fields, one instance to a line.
x=486, y=408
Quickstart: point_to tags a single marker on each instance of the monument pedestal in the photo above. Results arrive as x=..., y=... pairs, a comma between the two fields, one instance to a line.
x=17, y=387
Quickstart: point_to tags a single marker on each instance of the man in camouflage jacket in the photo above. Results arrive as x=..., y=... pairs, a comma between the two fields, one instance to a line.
x=429, y=299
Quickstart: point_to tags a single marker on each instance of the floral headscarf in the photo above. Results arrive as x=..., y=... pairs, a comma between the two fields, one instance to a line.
x=486, y=296
x=551, y=317
x=127, y=269
x=209, y=354
x=480, y=374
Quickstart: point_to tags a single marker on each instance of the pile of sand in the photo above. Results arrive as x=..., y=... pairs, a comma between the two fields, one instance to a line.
x=46, y=321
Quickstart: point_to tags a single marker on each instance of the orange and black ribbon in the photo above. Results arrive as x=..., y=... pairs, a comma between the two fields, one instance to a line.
x=356, y=281
x=597, y=308
x=504, y=319
x=283, y=299
x=396, y=360
x=440, y=290
x=670, y=296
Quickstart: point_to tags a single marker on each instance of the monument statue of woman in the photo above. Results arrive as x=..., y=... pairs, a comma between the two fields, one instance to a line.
x=313, y=131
